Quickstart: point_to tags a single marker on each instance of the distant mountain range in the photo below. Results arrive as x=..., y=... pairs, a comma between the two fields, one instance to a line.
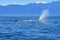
x=32, y=9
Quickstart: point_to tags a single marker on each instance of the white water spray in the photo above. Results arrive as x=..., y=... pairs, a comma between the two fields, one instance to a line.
x=44, y=15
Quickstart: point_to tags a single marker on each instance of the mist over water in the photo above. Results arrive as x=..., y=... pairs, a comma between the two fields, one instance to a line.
x=43, y=15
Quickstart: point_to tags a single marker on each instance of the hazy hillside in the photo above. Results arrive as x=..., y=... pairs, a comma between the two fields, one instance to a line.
x=30, y=9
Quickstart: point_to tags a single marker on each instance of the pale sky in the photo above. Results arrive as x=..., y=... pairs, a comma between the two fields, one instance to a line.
x=6, y=2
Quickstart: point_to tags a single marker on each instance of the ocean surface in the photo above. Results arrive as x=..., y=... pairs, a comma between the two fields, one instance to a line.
x=18, y=28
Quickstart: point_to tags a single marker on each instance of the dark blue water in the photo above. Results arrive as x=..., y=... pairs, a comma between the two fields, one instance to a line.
x=11, y=29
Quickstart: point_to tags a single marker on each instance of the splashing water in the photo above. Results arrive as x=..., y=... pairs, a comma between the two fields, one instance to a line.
x=44, y=15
